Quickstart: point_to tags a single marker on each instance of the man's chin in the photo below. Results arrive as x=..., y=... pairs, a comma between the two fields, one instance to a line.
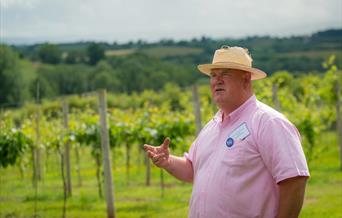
x=218, y=100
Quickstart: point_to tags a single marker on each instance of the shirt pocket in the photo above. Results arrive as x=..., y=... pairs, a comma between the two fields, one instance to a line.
x=233, y=156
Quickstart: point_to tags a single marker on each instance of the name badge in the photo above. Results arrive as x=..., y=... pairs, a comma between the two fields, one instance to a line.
x=240, y=133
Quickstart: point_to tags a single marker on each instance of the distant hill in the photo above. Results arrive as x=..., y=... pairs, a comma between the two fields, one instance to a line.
x=297, y=54
x=76, y=68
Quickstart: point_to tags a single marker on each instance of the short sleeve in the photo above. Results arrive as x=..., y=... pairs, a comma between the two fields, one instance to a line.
x=192, y=152
x=280, y=147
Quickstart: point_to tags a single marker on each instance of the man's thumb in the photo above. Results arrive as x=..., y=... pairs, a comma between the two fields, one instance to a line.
x=166, y=143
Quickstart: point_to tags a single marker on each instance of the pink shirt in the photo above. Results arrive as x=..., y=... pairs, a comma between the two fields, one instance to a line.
x=237, y=163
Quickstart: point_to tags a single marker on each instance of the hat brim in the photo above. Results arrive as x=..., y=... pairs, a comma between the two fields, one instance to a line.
x=255, y=73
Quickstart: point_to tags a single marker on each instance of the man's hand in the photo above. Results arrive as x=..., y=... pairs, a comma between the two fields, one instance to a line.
x=159, y=155
x=179, y=167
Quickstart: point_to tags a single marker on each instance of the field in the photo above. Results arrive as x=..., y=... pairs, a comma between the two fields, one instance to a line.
x=17, y=197
x=119, y=52
x=158, y=52
x=166, y=51
x=314, y=54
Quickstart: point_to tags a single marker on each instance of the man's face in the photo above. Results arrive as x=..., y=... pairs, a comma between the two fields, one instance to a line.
x=226, y=86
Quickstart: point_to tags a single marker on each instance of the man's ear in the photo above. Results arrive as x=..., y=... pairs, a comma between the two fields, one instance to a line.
x=246, y=77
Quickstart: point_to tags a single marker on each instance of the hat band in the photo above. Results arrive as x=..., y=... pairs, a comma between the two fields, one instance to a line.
x=220, y=62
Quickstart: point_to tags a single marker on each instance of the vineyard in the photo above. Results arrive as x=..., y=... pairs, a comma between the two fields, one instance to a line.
x=52, y=157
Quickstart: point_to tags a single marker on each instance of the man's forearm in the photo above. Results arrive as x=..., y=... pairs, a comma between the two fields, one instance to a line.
x=181, y=168
x=291, y=196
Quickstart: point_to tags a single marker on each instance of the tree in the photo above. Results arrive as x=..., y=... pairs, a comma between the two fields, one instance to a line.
x=11, y=80
x=104, y=77
x=95, y=53
x=64, y=79
x=49, y=53
x=71, y=58
x=75, y=56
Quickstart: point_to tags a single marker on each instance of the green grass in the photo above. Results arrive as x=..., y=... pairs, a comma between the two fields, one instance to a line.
x=30, y=69
x=166, y=51
x=158, y=52
x=120, y=52
x=17, y=197
x=324, y=191
x=313, y=54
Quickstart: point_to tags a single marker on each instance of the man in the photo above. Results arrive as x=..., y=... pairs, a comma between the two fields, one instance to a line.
x=248, y=160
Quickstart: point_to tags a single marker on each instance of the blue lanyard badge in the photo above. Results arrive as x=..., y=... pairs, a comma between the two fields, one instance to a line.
x=230, y=142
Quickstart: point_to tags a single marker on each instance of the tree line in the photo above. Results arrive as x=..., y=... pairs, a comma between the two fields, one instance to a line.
x=20, y=80
x=74, y=68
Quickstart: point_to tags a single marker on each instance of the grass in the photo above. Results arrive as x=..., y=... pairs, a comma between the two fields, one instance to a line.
x=120, y=52
x=324, y=190
x=166, y=51
x=314, y=54
x=158, y=52
x=17, y=197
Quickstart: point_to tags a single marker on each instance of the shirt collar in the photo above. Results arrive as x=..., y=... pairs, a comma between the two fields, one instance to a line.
x=237, y=112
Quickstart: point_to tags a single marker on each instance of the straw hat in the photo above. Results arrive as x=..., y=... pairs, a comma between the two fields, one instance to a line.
x=232, y=58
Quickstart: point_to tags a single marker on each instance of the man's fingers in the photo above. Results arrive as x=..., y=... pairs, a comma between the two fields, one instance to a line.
x=158, y=160
x=164, y=146
x=149, y=148
x=150, y=154
x=158, y=156
x=166, y=143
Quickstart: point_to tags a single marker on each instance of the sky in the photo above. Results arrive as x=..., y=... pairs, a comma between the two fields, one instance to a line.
x=31, y=21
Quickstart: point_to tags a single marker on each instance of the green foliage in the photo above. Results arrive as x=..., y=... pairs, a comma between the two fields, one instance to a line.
x=170, y=51
x=85, y=130
x=282, y=79
x=67, y=79
x=12, y=146
x=322, y=195
x=104, y=77
x=50, y=54
x=13, y=142
x=139, y=66
x=76, y=56
x=175, y=97
x=310, y=131
x=95, y=53
x=332, y=77
x=12, y=85
x=150, y=116
x=142, y=126
x=139, y=72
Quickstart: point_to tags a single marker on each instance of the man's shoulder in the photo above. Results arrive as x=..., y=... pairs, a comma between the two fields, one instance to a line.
x=266, y=119
x=209, y=125
x=265, y=113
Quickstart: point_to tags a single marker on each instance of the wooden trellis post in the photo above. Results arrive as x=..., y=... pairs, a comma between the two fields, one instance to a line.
x=108, y=177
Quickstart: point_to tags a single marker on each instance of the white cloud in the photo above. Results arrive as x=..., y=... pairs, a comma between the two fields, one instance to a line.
x=124, y=20
x=5, y=4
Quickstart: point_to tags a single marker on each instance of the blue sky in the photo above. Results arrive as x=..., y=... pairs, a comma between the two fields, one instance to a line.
x=152, y=20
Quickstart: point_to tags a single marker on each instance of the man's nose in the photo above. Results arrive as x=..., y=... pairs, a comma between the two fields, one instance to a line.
x=219, y=79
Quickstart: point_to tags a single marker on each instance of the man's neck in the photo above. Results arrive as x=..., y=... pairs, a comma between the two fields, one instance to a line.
x=227, y=109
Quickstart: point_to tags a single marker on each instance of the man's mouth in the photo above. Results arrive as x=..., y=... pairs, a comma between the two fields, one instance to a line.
x=219, y=90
